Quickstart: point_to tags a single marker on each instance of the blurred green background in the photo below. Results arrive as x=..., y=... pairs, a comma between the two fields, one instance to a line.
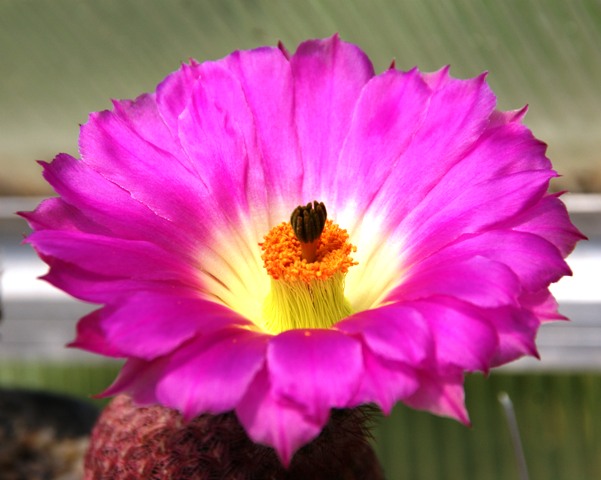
x=558, y=417
x=61, y=59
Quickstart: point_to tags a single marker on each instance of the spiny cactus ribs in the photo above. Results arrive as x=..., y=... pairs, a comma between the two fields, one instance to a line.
x=152, y=443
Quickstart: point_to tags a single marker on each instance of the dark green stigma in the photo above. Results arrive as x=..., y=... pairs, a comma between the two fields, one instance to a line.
x=308, y=221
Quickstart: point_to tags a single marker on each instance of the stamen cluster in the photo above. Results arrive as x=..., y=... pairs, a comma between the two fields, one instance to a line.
x=283, y=259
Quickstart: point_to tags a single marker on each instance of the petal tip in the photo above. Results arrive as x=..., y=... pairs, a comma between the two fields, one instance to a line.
x=283, y=49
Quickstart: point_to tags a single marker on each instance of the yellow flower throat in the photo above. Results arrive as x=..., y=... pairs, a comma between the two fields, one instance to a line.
x=307, y=266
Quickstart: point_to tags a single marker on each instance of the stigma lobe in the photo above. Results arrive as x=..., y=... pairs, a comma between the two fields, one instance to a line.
x=308, y=221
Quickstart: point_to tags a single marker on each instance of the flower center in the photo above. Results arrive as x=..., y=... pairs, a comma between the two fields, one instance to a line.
x=307, y=260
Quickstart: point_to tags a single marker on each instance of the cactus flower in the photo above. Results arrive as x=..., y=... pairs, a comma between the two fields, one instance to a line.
x=279, y=235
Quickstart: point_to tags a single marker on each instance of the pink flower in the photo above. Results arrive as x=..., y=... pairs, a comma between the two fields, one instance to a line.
x=452, y=239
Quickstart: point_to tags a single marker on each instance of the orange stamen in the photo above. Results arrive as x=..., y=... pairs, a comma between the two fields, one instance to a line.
x=284, y=258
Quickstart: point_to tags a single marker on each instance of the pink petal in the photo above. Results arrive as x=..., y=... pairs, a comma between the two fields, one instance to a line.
x=98, y=288
x=317, y=369
x=208, y=374
x=163, y=181
x=542, y=304
x=395, y=339
x=456, y=206
x=535, y=261
x=328, y=77
x=145, y=119
x=442, y=394
x=389, y=111
x=503, y=149
x=385, y=382
x=138, y=379
x=394, y=332
x=516, y=329
x=503, y=118
x=212, y=373
x=216, y=141
x=81, y=188
x=549, y=219
x=108, y=256
x=165, y=320
x=274, y=421
x=463, y=335
x=439, y=79
x=265, y=78
x=55, y=214
x=88, y=287
x=90, y=336
x=173, y=94
x=217, y=132
x=457, y=114
x=476, y=280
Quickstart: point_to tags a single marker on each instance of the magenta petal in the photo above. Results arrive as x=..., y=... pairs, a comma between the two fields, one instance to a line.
x=385, y=382
x=162, y=180
x=90, y=336
x=477, y=280
x=205, y=375
x=55, y=214
x=394, y=332
x=173, y=93
x=217, y=132
x=442, y=394
x=110, y=256
x=503, y=149
x=389, y=111
x=549, y=219
x=439, y=79
x=542, y=304
x=503, y=118
x=164, y=321
x=86, y=286
x=396, y=339
x=144, y=118
x=80, y=187
x=535, y=261
x=317, y=369
x=212, y=372
x=462, y=334
x=454, y=208
x=441, y=140
x=138, y=378
x=516, y=330
x=237, y=128
x=265, y=78
x=273, y=421
x=328, y=78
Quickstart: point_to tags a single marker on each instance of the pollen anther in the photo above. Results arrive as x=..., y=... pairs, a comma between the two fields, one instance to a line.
x=283, y=260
